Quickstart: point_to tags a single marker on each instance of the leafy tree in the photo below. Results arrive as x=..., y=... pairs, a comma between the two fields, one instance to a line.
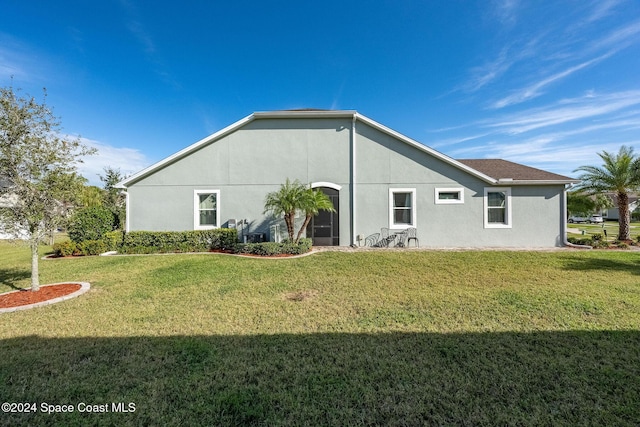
x=91, y=196
x=293, y=197
x=38, y=167
x=114, y=200
x=90, y=223
x=579, y=203
x=619, y=174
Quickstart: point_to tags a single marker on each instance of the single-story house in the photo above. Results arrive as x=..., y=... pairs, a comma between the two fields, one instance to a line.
x=376, y=177
x=613, y=213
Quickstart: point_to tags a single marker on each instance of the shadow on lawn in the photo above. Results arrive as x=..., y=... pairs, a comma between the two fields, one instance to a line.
x=9, y=276
x=604, y=264
x=545, y=378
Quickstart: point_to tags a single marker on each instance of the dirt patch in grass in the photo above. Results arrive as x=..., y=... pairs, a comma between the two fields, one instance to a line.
x=27, y=296
x=300, y=295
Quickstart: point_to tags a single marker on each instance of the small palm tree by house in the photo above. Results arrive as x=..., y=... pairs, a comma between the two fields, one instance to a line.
x=286, y=201
x=619, y=174
x=314, y=202
x=293, y=197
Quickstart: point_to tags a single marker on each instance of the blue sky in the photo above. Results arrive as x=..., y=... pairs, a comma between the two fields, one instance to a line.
x=545, y=83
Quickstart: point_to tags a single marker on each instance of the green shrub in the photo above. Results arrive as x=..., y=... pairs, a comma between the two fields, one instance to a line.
x=579, y=241
x=179, y=241
x=273, y=248
x=66, y=248
x=90, y=224
x=92, y=247
x=622, y=245
x=113, y=240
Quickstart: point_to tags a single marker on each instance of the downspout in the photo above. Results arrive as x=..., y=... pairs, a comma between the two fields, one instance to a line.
x=563, y=223
x=126, y=209
x=353, y=180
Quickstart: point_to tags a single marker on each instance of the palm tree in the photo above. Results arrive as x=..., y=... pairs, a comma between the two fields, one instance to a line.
x=286, y=201
x=619, y=174
x=314, y=202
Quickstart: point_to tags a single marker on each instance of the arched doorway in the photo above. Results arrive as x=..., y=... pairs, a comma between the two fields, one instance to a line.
x=324, y=228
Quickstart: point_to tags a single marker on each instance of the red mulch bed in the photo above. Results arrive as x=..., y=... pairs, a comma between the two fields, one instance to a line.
x=27, y=296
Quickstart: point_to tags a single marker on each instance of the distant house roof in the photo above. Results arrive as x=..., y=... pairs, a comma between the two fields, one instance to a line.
x=504, y=170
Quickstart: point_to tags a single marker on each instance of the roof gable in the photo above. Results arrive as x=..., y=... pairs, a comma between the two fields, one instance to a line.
x=492, y=171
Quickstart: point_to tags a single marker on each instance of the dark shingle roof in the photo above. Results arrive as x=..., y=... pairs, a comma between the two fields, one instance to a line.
x=503, y=169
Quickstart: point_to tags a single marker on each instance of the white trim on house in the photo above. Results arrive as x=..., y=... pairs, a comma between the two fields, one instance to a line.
x=326, y=184
x=354, y=115
x=426, y=149
x=184, y=152
x=196, y=209
x=508, y=223
x=392, y=223
x=458, y=200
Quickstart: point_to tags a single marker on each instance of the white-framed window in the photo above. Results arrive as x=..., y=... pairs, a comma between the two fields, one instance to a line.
x=206, y=209
x=446, y=196
x=497, y=207
x=402, y=207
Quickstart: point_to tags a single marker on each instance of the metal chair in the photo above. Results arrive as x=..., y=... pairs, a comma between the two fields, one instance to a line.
x=372, y=240
x=386, y=237
x=401, y=238
x=412, y=234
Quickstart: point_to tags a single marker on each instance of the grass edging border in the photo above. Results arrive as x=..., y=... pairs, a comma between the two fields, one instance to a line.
x=84, y=287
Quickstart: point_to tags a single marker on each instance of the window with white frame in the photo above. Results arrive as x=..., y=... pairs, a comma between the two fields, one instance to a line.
x=402, y=207
x=497, y=207
x=206, y=209
x=449, y=196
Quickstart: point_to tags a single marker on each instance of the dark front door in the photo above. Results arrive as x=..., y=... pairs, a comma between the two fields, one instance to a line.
x=324, y=228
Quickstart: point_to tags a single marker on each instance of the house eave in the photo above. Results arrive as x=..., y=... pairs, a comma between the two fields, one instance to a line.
x=537, y=182
x=184, y=152
x=426, y=149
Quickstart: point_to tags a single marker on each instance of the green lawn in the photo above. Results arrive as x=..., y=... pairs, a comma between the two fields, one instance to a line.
x=375, y=338
x=610, y=226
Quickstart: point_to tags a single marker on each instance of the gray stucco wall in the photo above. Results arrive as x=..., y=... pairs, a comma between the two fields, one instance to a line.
x=257, y=158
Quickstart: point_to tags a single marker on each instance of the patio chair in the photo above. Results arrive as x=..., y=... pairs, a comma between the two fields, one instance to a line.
x=373, y=240
x=386, y=237
x=412, y=234
x=401, y=238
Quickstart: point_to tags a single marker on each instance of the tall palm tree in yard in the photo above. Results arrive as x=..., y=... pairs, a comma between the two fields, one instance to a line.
x=619, y=174
x=314, y=202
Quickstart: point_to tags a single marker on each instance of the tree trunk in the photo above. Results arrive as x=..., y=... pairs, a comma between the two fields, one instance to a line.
x=35, y=279
x=623, y=216
x=307, y=220
x=289, y=219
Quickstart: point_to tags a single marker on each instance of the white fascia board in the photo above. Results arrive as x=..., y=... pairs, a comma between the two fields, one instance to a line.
x=180, y=154
x=426, y=149
x=540, y=182
x=304, y=113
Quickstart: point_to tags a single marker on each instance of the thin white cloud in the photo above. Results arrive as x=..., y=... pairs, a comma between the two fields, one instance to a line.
x=506, y=11
x=601, y=9
x=128, y=160
x=620, y=38
x=566, y=111
x=535, y=89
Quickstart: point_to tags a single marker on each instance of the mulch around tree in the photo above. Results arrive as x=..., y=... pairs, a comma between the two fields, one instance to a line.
x=46, y=293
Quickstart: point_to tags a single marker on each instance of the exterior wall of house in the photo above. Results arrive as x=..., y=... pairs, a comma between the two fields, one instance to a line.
x=244, y=166
x=257, y=158
x=384, y=163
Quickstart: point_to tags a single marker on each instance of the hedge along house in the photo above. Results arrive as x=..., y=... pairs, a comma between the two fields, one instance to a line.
x=376, y=177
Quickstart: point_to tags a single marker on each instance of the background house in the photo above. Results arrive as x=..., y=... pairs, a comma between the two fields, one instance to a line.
x=376, y=177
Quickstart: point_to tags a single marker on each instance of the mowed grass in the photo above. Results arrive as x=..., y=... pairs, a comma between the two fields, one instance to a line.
x=372, y=338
